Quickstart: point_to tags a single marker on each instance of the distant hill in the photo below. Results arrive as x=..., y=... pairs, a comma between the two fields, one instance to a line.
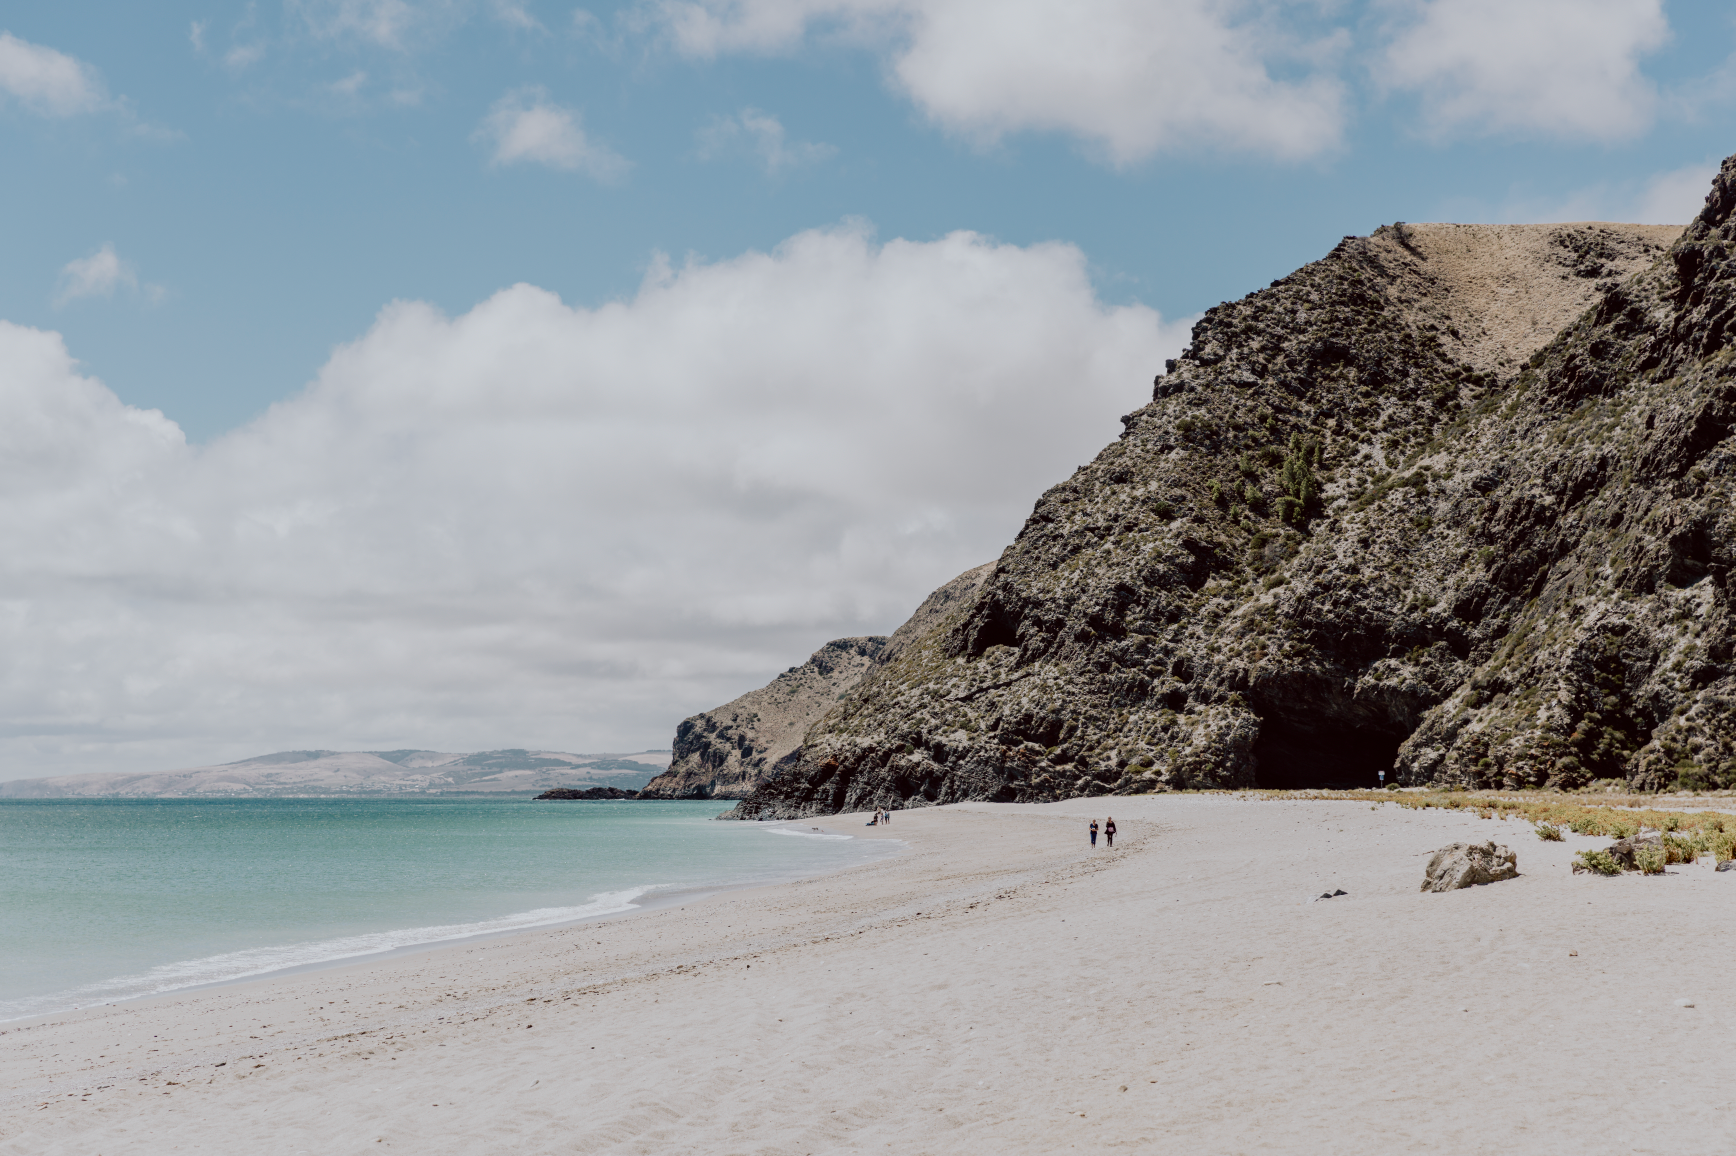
x=362, y=773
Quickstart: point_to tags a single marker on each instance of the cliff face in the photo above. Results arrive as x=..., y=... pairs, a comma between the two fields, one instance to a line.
x=1452, y=502
x=724, y=753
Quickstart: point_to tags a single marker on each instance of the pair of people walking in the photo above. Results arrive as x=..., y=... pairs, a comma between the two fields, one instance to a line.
x=1108, y=831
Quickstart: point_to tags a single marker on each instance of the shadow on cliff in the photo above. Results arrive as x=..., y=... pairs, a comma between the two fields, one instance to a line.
x=1326, y=756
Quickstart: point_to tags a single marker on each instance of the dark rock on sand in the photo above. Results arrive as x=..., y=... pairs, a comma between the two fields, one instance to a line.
x=1468, y=865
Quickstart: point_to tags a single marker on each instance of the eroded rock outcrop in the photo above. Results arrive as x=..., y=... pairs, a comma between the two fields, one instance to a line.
x=1453, y=502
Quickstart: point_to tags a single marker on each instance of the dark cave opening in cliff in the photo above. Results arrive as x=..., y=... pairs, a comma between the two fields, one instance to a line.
x=1328, y=756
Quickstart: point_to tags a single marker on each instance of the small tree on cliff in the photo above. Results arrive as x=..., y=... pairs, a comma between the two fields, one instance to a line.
x=1301, y=500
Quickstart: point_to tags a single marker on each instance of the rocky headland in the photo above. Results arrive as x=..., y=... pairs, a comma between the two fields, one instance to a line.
x=1451, y=503
x=726, y=752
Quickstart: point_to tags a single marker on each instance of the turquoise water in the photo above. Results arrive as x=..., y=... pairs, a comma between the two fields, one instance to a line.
x=103, y=900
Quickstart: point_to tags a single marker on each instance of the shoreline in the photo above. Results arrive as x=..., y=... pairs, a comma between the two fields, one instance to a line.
x=645, y=898
x=998, y=985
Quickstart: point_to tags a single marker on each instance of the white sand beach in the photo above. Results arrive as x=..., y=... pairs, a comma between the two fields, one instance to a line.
x=998, y=987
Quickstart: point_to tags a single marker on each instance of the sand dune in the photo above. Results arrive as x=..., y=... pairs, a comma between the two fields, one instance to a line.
x=998, y=987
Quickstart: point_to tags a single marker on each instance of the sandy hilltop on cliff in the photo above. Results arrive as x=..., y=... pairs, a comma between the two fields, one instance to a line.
x=361, y=773
x=1452, y=502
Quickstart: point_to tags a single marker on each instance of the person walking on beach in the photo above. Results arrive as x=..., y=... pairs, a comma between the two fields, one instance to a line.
x=1094, y=832
x=1109, y=830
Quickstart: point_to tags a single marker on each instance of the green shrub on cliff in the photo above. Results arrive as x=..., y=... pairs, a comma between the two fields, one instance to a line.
x=1301, y=499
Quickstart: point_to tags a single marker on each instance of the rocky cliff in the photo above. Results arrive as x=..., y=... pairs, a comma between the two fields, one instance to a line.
x=726, y=752
x=1452, y=502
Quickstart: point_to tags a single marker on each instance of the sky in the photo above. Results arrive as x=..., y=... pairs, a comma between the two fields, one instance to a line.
x=468, y=374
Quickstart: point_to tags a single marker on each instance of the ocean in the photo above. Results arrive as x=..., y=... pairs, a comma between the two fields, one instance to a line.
x=111, y=899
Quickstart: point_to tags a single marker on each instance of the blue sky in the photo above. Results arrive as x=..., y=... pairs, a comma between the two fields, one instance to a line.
x=287, y=169
x=816, y=297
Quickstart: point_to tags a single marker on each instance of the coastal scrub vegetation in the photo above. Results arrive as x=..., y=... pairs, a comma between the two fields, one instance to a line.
x=1599, y=863
x=1686, y=834
x=1301, y=500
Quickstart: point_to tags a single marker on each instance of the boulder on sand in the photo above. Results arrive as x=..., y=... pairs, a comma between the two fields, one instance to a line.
x=1469, y=864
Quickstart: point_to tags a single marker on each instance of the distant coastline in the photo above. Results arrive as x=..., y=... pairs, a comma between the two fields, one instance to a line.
x=365, y=774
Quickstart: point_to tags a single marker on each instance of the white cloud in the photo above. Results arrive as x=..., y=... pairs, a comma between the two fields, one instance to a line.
x=243, y=56
x=525, y=126
x=513, y=15
x=385, y=23
x=1134, y=77
x=48, y=82
x=763, y=135
x=1567, y=68
x=1673, y=197
x=196, y=35
x=349, y=85
x=541, y=525
x=97, y=275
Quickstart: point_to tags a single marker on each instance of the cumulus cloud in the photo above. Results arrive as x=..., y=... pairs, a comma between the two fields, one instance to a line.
x=1134, y=77
x=1567, y=68
x=97, y=275
x=525, y=126
x=538, y=524
x=48, y=82
x=763, y=135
